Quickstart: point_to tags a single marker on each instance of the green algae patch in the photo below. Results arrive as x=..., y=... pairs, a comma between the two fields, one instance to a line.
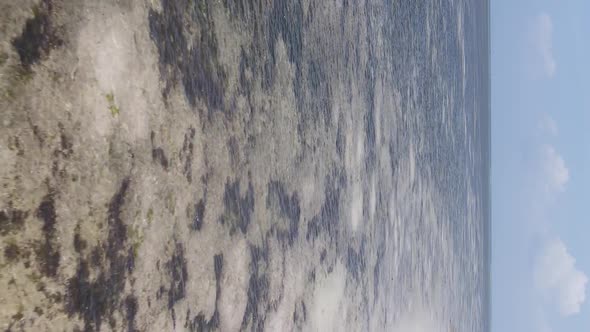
x=113, y=108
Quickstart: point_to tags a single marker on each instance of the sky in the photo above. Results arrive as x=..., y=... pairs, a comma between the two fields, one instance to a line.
x=540, y=160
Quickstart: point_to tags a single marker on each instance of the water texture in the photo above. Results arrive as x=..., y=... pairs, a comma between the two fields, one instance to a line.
x=250, y=165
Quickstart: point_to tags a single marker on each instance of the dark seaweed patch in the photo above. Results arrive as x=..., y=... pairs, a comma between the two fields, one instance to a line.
x=248, y=72
x=131, y=310
x=178, y=275
x=239, y=8
x=199, y=215
x=16, y=319
x=98, y=298
x=257, y=305
x=65, y=143
x=218, y=266
x=38, y=311
x=89, y=299
x=14, y=144
x=238, y=210
x=12, y=220
x=303, y=310
x=246, y=63
x=37, y=133
x=233, y=151
x=11, y=252
x=299, y=315
x=370, y=115
x=311, y=276
x=198, y=68
x=38, y=37
x=47, y=253
x=96, y=257
x=286, y=19
x=323, y=255
x=321, y=101
x=160, y=292
x=117, y=235
x=79, y=243
x=328, y=218
x=203, y=77
x=199, y=323
x=282, y=19
x=355, y=262
x=340, y=139
x=159, y=156
x=394, y=158
x=187, y=154
x=288, y=206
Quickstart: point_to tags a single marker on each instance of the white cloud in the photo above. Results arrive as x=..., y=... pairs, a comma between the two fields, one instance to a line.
x=555, y=172
x=540, y=319
x=547, y=125
x=558, y=279
x=542, y=41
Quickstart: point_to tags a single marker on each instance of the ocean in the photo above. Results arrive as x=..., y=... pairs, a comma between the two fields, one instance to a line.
x=253, y=165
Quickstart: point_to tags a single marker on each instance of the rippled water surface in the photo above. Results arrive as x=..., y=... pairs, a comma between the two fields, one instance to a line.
x=245, y=165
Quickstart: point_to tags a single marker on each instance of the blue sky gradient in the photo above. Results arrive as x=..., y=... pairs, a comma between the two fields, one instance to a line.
x=540, y=158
